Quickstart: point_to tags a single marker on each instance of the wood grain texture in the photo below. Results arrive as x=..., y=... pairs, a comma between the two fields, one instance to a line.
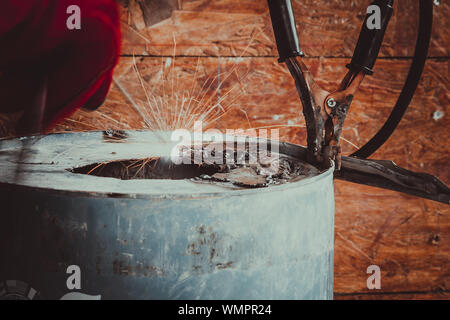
x=408, y=237
x=264, y=92
x=395, y=296
x=242, y=27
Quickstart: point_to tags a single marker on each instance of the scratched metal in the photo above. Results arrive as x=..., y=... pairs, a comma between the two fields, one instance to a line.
x=158, y=239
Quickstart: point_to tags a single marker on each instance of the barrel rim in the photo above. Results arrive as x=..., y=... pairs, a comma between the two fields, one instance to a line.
x=284, y=147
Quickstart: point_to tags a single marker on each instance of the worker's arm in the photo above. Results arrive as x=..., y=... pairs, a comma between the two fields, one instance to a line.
x=48, y=70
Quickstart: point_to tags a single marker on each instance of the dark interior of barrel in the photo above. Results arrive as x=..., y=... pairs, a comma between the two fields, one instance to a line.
x=239, y=168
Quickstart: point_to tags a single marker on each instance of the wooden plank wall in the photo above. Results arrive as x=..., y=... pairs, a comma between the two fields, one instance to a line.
x=409, y=238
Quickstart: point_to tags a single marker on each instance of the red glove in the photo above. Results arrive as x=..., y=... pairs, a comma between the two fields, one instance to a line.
x=49, y=71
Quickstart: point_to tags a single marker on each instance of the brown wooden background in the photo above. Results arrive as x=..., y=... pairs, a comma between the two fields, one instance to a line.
x=409, y=238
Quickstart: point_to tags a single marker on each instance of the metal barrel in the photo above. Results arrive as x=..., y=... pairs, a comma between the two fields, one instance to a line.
x=66, y=235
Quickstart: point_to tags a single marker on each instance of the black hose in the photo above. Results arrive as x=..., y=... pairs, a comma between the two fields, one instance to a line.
x=284, y=29
x=370, y=40
x=410, y=86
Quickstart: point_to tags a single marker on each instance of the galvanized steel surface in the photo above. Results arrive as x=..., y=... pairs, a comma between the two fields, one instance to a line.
x=164, y=240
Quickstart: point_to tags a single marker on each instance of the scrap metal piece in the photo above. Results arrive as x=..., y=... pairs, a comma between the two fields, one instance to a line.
x=387, y=175
x=111, y=135
x=244, y=177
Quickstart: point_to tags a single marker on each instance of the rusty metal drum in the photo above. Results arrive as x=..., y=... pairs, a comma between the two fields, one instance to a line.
x=155, y=238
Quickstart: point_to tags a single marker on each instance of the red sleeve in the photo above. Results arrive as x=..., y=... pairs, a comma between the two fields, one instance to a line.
x=37, y=45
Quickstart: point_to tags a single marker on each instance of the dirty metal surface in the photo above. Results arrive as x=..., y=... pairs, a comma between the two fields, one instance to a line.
x=162, y=243
x=238, y=164
x=44, y=162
